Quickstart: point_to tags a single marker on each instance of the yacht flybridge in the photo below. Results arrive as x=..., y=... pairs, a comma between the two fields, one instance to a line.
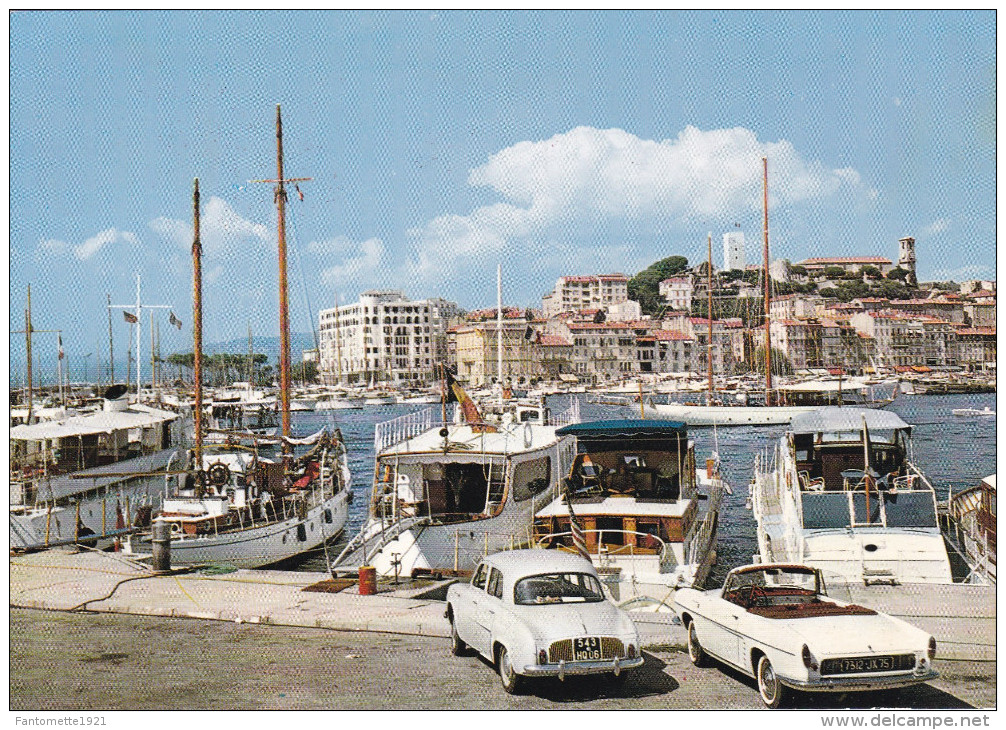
x=839, y=492
x=448, y=493
x=648, y=515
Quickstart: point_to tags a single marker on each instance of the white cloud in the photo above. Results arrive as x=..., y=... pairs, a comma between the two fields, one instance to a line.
x=360, y=261
x=53, y=246
x=175, y=231
x=938, y=226
x=221, y=229
x=97, y=242
x=571, y=184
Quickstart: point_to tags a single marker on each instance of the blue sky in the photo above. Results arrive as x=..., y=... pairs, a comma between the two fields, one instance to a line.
x=442, y=143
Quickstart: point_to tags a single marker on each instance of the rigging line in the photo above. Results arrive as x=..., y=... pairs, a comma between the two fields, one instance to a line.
x=303, y=279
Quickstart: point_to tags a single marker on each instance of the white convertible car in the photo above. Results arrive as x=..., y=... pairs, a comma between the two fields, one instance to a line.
x=776, y=623
x=537, y=613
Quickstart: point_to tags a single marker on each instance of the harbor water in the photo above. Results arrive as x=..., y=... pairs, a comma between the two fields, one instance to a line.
x=952, y=451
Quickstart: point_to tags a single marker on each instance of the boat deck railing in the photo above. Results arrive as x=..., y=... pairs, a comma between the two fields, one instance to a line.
x=604, y=552
x=408, y=426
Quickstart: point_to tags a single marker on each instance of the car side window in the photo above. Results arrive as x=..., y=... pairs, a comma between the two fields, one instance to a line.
x=479, y=579
x=495, y=584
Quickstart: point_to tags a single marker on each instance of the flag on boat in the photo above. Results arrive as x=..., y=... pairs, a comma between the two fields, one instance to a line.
x=457, y=394
x=130, y=317
x=172, y=319
x=60, y=338
x=575, y=527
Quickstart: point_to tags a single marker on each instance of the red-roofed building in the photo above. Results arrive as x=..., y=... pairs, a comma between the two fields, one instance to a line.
x=976, y=348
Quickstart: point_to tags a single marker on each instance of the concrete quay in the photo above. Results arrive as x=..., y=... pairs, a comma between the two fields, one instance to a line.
x=961, y=617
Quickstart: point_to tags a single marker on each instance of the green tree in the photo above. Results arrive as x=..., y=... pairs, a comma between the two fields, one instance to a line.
x=644, y=287
x=871, y=272
x=834, y=272
x=306, y=372
x=897, y=274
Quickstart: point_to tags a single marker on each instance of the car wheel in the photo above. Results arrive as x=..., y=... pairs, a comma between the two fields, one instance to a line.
x=695, y=651
x=512, y=681
x=458, y=647
x=772, y=691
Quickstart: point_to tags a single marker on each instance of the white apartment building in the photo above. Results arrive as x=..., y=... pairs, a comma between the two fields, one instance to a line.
x=384, y=337
x=733, y=251
x=677, y=291
x=576, y=293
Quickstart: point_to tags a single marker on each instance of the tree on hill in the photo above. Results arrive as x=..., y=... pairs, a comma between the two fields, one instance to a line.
x=644, y=287
x=897, y=274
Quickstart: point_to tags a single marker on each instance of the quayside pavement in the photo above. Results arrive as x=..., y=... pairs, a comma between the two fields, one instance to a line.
x=961, y=617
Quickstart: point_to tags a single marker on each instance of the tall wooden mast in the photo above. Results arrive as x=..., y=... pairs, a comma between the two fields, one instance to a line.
x=284, y=309
x=197, y=329
x=709, y=312
x=27, y=334
x=768, y=339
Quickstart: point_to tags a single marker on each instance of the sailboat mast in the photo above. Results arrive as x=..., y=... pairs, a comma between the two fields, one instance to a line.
x=768, y=341
x=499, y=327
x=111, y=351
x=284, y=312
x=197, y=331
x=27, y=335
x=709, y=312
x=338, y=342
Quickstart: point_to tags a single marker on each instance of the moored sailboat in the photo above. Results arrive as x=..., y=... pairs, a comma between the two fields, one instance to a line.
x=234, y=505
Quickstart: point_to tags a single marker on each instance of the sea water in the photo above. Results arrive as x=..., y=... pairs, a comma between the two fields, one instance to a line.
x=950, y=450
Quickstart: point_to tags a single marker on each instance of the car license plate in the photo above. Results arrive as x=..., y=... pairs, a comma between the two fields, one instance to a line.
x=586, y=650
x=863, y=665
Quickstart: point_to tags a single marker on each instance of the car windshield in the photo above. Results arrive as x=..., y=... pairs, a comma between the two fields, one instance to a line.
x=775, y=578
x=557, y=588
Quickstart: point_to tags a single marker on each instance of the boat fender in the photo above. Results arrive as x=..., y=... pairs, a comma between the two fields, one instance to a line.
x=301, y=532
x=528, y=435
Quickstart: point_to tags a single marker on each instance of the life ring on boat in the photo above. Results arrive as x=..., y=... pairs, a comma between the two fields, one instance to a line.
x=218, y=473
x=528, y=435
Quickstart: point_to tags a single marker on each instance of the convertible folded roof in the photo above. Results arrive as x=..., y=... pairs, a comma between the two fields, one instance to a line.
x=620, y=428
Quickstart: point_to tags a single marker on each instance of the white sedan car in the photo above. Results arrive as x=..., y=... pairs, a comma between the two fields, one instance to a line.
x=537, y=613
x=776, y=623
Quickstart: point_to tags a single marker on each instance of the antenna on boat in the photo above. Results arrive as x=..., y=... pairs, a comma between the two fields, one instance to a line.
x=284, y=308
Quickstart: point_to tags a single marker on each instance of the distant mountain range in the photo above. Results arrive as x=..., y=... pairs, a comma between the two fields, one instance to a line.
x=45, y=373
x=299, y=341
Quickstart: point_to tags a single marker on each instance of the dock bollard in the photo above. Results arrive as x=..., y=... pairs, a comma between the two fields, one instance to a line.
x=368, y=580
x=160, y=541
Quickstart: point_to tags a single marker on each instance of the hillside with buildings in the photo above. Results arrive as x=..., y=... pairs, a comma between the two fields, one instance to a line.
x=860, y=314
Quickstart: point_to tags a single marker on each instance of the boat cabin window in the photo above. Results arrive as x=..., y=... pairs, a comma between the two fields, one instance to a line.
x=650, y=474
x=910, y=509
x=531, y=477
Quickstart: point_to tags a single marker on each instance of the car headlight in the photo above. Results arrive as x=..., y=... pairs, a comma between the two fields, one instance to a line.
x=808, y=659
x=932, y=648
x=542, y=656
x=630, y=652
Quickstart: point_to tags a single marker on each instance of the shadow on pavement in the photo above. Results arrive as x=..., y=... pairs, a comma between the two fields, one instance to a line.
x=916, y=697
x=648, y=680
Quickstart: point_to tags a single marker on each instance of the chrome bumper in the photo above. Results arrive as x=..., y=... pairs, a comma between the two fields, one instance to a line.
x=560, y=670
x=864, y=684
